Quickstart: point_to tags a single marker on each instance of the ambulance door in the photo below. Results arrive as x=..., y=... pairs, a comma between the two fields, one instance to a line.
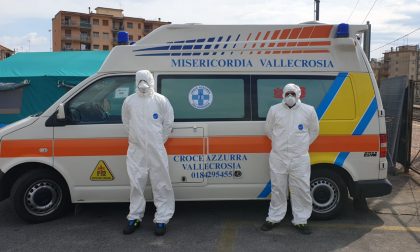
x=187, y=149
x=90, y=146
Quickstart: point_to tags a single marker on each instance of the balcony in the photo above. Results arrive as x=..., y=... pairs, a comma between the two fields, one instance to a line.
x=67, y=37
x=116, y=28
x=68, y=23
x=84, y=38
x=85, y=25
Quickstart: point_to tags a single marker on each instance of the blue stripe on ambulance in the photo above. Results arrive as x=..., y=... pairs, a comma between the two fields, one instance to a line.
x=332, y=92
x=360, y=128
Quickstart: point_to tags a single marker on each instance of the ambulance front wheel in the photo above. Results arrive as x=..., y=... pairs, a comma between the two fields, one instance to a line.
x=329, y=194
x=40, y=195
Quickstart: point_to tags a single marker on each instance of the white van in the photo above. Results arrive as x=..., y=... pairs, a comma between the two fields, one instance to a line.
x=221, y=81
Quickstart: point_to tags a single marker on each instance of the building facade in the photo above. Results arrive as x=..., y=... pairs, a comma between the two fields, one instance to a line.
x=5, y=52
x=96, y=31
x=403, y=61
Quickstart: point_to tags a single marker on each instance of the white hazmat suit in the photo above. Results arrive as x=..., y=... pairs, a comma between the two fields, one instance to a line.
x=148, y=118
x=291, y=131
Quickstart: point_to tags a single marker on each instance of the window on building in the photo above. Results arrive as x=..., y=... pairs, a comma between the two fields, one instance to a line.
x=139, y=26
x=206, y=97
x=95, y=47
x=101, y=102
x=105, y=35
x=96, y=34
x=105, y=47
x=148, y=28
x=95, y=21
x=130, y=25
x=105, y=22
x=67, y=46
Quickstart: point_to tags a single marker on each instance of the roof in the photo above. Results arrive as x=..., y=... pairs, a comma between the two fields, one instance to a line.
x=31, y=64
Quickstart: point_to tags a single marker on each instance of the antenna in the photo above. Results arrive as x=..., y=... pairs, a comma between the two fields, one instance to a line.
x=316, y=9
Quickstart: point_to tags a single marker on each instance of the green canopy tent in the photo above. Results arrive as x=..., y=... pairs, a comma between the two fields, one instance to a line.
x=31, y=82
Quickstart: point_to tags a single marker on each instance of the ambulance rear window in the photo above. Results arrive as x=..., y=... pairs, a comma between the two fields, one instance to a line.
x=269, y=91
x=206, y=97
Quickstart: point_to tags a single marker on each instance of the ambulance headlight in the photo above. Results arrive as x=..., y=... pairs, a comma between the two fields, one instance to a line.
x=342, y=31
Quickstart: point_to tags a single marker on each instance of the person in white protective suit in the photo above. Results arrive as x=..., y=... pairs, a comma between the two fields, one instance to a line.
x=148, y=118
x=292, y=126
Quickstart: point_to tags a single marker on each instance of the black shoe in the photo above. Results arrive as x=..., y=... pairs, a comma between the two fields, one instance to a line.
x=267, y=226
x=132, y=225
x=303, y=229
x=160, y=229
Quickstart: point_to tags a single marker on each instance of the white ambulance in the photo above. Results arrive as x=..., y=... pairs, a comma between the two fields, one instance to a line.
x=221, y=80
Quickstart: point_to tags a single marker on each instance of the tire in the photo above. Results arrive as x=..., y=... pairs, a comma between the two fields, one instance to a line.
x=329, y=194
x=39, y=196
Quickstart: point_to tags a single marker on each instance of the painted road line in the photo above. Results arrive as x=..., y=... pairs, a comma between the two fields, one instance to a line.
x=228, y=236
x=371, y=227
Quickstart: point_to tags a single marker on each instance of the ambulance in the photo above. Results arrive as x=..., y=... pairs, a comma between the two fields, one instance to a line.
x=221, y=80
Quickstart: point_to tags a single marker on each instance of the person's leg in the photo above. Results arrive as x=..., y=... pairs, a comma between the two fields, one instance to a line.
x=137, y=173
x=278, y=203
x=138, y=179
x=163, y=194
x=300, y=191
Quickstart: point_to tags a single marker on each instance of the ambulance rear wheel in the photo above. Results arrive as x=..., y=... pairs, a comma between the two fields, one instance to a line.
x=329, y=194
x=39, y=196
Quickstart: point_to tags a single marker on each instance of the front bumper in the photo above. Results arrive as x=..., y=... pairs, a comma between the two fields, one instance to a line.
x=373, y=188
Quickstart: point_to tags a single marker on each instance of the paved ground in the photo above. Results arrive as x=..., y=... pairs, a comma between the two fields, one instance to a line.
x=391, y=224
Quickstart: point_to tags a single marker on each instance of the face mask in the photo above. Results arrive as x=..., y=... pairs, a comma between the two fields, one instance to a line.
x=143, y=87
x=290, y=100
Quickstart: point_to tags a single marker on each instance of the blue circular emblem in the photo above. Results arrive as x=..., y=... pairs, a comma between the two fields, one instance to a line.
x=300, y=126
x=200, y=97
x=155, y=116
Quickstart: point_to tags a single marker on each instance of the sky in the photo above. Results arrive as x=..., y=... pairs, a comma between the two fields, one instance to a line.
x=25, y=24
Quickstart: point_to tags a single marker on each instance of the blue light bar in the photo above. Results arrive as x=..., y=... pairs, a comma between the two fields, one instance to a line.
x=123, y=38
x=342, y=31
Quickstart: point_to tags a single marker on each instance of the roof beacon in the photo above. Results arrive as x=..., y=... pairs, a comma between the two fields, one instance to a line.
x=342, y=30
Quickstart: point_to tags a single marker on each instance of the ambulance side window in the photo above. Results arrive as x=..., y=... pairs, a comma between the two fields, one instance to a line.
x=101, y=102
x=268, y=90
x=207, y=97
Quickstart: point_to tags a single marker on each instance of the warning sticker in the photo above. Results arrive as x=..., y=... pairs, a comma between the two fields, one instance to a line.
x=101, y=172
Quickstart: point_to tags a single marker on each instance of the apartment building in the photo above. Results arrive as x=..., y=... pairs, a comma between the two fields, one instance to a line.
x=97, y=31
x=403, y=61
x=5, y=52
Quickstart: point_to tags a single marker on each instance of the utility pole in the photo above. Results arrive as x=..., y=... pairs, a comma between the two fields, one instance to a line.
x=316, y=11
x=366, y=40
x=50, y=40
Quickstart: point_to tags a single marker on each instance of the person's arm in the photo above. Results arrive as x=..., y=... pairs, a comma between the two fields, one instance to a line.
x=269, y=123
x=168, y=120
x=313, y=126
x=125, y=115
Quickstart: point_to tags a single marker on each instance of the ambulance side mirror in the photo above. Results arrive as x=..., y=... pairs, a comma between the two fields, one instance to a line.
x=61, y=114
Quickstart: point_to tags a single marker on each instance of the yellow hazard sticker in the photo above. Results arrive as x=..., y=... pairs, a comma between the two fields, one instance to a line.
x=101, y=172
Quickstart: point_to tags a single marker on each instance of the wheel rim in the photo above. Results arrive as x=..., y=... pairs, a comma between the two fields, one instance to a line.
x=325, y=195
x=43, y=197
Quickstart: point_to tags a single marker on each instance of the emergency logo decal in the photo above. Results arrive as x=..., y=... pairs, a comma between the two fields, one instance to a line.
x=155, y=116
x=300, y=126
x=101, y=172
x=200, y=97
